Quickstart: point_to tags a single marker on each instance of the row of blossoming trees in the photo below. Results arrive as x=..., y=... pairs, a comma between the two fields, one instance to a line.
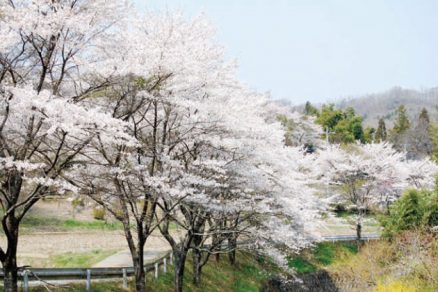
x=142, y=114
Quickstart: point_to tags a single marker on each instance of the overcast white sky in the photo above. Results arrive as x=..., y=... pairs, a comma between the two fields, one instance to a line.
x=324, y=49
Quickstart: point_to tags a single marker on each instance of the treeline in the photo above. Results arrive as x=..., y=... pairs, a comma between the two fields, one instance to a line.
x=418, y=138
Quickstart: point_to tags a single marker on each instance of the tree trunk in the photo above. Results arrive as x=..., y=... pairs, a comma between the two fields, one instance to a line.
x=11, y=277
x=137, y=254
x=197, y=267
x=140, y=275
x=359, y=234
x=180, y=260
x=232, y=245
x=10, y=260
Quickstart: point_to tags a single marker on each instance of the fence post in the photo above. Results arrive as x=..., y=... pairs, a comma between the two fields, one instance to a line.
x=25, y=281
x=88, y=285
x=165, y=265
x=171, y=257
x=125, y=279
x=156, y=270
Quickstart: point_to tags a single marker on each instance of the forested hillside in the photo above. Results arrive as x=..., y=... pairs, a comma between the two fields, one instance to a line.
x=384, y=105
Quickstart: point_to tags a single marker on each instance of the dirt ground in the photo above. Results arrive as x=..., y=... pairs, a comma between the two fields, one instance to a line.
x=38, y=245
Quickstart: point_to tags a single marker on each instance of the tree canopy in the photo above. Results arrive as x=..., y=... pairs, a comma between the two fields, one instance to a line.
x=344, y=126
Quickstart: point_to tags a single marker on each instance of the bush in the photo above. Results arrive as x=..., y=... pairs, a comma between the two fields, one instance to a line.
x=99, y=213
x=414, y=210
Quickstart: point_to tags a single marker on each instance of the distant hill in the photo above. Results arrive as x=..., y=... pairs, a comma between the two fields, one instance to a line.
x=374, y=106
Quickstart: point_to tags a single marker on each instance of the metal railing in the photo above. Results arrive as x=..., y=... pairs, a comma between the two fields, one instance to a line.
x=44, y=276
x=350, y=237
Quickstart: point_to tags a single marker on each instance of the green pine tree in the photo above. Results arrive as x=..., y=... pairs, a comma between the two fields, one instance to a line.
x=381, y=134
x=402, y=123
x=424, y=117
x=400, y=132
x=310, y=110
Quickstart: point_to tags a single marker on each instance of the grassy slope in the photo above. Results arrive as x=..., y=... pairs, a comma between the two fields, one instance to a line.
x=322, y=255
x=248, y=275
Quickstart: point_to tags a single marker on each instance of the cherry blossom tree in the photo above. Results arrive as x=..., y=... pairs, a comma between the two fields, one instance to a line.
x=372, y=175
x=267, y=184
x=146, y=118
x=168, y=69
x=45, y=53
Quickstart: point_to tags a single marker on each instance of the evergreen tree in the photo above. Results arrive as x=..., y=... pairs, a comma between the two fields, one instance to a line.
x=370, y=135
x=310, y=110
x=400, y=131
x=402, y=123
x=381, y=134
x=424, y=117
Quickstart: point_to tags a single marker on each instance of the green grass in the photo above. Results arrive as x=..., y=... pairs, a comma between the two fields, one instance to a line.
x=92, y=225
x=54, y=224
x=79, y=260
x=322, y=255
x=301, y=265
x=32, y=224
x=326, y=253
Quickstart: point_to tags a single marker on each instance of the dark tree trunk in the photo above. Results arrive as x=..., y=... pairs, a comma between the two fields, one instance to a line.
x=359, y=234
x=232, y=245
x=140, y=276
x=232, y=257
x=137, y=254
x=11, y=276
x=180, y=260
x=9, y=262
x=197, y=267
